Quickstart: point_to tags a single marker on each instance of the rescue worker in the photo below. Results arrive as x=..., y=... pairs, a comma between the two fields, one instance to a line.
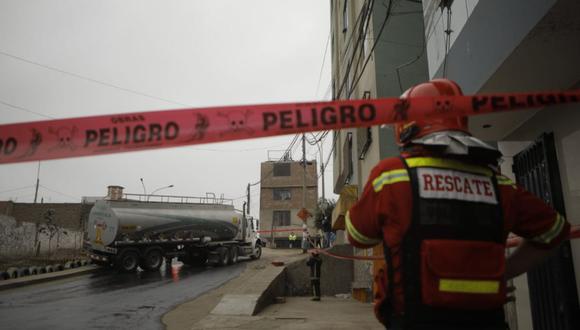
x=291, y=239
x=314, y=262
x=443, y=214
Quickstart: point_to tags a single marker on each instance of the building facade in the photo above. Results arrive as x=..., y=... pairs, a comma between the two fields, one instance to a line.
x=485, y=46
x=377, y=51
x=282, y=197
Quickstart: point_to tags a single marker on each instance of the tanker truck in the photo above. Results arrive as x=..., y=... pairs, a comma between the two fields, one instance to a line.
x=128, y=232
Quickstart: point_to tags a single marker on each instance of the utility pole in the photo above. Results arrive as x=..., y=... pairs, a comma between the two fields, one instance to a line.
x=320, y=145
x=248, y=193
x=37, y=183
x=304, y=173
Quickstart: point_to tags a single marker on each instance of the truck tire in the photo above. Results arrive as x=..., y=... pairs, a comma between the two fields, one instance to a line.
x=223, y=256
x=233, y=257
x=152, y=259
x=127, y=261
x=257, y=252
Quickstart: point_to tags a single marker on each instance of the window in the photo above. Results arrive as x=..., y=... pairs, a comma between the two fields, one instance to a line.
x=281, y=218
x=282, y=169
x=282, y=194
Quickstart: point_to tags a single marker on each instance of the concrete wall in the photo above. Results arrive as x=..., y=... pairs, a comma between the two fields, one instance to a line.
x=19, y=238
x=66, y=215
x=484, y=34
x=336, y=275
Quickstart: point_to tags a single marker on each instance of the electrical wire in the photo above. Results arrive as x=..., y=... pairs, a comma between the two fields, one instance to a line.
x=349, y=66
x=387, y=15
x=16, y=189
x=361, y=52
x=25, y=110
x=58, y=192
x=78, y=76
x=323, y=62
x=447, y=41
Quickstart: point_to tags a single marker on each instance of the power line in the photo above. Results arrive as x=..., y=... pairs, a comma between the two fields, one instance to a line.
x=363, y=34
x=322, y=66
x=16, y=189
x=25, y=110
x=367, y=13
x=388, y=14
x=60, y=193
x=91, y=79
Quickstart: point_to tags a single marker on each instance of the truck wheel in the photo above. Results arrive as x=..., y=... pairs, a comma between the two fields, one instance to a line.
x=152, y=259
x=257, y=252
x=127, y=260
x=223, y=256
x=233, y=255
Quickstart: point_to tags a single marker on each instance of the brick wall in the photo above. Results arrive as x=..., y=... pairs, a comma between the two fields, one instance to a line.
x=293, y=182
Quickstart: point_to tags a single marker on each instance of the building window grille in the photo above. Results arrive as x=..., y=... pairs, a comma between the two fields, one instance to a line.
x=282, y=194
x=281, y=218
x=282, y=169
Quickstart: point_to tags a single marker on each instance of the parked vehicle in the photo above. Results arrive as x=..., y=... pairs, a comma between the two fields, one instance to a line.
x=136, y=232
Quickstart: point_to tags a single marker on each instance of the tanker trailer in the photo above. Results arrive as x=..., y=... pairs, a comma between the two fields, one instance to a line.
x=126, y=234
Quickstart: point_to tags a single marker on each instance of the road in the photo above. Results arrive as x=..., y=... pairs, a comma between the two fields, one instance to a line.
x=109, y=300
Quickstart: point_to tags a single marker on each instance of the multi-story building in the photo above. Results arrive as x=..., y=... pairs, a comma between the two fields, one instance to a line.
x=485, y=46
x=377, y=51
x=281, y=198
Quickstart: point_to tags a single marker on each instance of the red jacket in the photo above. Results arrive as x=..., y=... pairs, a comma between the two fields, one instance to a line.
x=385, y=208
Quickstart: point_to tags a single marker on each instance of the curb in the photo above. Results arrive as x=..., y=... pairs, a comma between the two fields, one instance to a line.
x=34, y=279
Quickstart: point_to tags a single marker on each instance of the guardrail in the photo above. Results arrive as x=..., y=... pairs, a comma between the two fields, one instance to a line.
x=210, y=198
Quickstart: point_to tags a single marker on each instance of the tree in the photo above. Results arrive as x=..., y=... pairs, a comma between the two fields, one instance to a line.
x=324, y=209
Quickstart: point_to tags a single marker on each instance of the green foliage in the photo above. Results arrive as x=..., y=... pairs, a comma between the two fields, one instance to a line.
x=324, y=208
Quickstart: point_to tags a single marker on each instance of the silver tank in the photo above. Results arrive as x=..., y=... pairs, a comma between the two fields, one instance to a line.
x=110, y=221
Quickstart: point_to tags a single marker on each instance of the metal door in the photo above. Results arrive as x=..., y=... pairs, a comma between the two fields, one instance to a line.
x=553, y=295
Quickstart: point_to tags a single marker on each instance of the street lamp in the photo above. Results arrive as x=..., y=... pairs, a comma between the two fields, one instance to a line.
x=144, y=190
x=158, y=189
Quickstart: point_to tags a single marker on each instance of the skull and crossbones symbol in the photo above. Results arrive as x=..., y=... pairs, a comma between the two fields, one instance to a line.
x=65, y=137
x=237, y=121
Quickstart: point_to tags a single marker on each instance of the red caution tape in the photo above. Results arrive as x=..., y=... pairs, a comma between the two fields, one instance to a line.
x=97, y=135
x=298, y=230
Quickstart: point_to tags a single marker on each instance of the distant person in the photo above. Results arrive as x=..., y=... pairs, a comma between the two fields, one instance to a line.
x=291, y=239
x=318, y=241
x=305, y=239
x=327, y=230
x=314, y=262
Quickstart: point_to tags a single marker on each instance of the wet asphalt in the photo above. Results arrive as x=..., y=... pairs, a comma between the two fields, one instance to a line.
x=108, y=299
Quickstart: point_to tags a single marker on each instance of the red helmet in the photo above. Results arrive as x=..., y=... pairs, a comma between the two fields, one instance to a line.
x=405, y=132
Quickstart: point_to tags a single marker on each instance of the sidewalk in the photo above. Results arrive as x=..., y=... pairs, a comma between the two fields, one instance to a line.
x=247, y=302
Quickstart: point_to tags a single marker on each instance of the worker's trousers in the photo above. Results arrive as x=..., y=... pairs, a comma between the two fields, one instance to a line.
x=315, y=287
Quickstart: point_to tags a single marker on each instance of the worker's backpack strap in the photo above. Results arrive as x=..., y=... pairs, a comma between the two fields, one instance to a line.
x=386, y=309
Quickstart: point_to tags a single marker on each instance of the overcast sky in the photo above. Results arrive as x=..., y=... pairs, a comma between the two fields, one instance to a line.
x=70, y=58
